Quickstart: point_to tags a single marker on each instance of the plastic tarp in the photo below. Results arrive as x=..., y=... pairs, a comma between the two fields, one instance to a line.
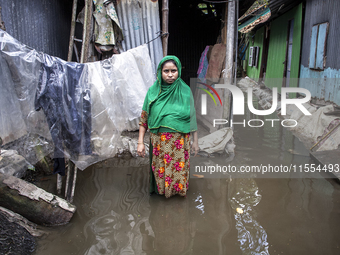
x=79, y=109
x=320, y=128
x=216, y=142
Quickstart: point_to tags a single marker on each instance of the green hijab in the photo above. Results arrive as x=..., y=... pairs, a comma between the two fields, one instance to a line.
x=170, y=106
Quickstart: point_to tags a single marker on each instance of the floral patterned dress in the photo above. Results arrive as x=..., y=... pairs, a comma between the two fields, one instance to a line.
x=170, y=160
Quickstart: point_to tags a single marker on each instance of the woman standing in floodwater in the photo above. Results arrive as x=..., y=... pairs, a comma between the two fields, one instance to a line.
x=169, y=113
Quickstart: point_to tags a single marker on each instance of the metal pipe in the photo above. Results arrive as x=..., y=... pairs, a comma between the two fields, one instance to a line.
x=165, y=26
x=230, y=43
x=229, y=61
x=73, y=28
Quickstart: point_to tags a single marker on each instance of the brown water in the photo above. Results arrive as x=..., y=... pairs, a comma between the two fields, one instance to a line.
x=116, y=215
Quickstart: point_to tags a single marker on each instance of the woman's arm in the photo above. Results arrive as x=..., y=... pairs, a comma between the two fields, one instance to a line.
x=143, y=126
x=141, y=146
x=194, y=146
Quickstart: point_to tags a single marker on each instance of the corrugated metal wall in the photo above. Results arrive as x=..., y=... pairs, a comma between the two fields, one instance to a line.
x=317, y=12
x=141, y=23
x=277, y=48
x=325, y=84
x=41, y=24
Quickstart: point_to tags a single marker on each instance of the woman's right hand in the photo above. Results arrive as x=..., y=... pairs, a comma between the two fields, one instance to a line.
x=141, y=150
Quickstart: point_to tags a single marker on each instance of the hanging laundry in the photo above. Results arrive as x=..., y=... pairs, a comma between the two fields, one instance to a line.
x=203, y=65
x=67, y=106
x=106, y=31
x=83, y=107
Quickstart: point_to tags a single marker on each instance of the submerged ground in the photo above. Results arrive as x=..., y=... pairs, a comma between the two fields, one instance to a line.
x=290, y=214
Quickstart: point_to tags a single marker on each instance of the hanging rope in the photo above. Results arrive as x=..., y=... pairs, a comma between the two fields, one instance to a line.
x=219, y=2
x=161, y=34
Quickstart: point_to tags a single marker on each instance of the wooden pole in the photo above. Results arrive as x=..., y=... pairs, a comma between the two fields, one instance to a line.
x=86, y=31
x=225, y=28
x=75, y=170
x=2, y=24
x=73, y=28
x=59, y=183
x=165, y=26
x=68, y=177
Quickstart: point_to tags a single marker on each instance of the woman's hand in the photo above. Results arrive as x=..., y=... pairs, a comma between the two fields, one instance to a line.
x=141, y=150
x=194, y=147
x=140, y=143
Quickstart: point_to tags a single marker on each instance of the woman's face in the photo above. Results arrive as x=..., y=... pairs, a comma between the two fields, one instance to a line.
x=169, y=72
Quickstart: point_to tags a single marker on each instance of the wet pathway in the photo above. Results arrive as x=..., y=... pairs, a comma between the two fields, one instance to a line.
x=252, y=215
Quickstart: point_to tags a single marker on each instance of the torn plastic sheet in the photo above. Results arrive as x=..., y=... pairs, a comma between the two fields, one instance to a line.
x=81, y=109
x=216, y=142
x=319, y=127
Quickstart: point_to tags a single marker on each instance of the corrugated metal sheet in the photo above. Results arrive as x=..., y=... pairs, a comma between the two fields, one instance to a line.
x=278, y=46
x=325, y=84
x=41, y=24
x=279, y=7
x=141, y=23
x=317, y=12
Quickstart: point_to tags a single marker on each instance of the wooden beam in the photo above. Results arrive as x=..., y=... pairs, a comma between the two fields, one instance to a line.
x=34, y=203
x=165, y=26
x=86, y=31
x=73, y=28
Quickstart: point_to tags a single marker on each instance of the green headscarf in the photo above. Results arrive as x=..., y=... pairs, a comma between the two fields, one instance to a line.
x=170, y=106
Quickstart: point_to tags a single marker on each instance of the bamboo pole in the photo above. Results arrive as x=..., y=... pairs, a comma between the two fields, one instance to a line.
x=165, y=26
x=73, y=28
x=59, y=183
x=2, y=24
x=86, y=31
x=75, y=170
x=68, y=177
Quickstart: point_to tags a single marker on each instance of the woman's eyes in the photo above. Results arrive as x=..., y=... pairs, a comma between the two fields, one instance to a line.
x=167, y=71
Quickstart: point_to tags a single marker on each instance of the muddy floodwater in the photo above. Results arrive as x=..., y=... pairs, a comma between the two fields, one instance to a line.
x=290, y=214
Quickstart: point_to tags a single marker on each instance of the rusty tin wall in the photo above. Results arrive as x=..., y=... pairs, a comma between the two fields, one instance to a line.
x=41, y=24
x=323, y=84
x=140, y=22
x=317, y=12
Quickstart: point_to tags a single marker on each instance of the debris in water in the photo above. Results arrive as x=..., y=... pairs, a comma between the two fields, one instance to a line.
x=239, y=210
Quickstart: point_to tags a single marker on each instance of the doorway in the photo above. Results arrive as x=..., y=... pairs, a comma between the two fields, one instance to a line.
x=289, y=49
x=193, y=25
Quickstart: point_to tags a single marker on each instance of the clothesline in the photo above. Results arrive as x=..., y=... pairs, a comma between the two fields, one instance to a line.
x=161, y=34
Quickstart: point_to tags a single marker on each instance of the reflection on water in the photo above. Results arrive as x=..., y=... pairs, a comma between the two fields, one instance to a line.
x=243, y=197
x=116, y=215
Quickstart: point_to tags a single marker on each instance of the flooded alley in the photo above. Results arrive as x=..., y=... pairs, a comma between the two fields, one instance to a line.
x=86, y=85
x=115, y=214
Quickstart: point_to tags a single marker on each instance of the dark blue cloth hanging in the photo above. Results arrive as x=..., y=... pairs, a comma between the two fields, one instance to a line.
x=66, y=103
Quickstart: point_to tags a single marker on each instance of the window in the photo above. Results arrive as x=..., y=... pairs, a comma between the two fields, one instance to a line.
x=204, y=8
x=317, y=55
x=253, y=56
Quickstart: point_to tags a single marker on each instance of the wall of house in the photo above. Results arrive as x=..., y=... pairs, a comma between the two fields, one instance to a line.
x=252, y=71
x=278, y=45
x=323, y=84
x=41, y=24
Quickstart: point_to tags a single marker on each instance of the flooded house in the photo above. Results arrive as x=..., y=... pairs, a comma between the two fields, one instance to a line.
x=73, y=80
